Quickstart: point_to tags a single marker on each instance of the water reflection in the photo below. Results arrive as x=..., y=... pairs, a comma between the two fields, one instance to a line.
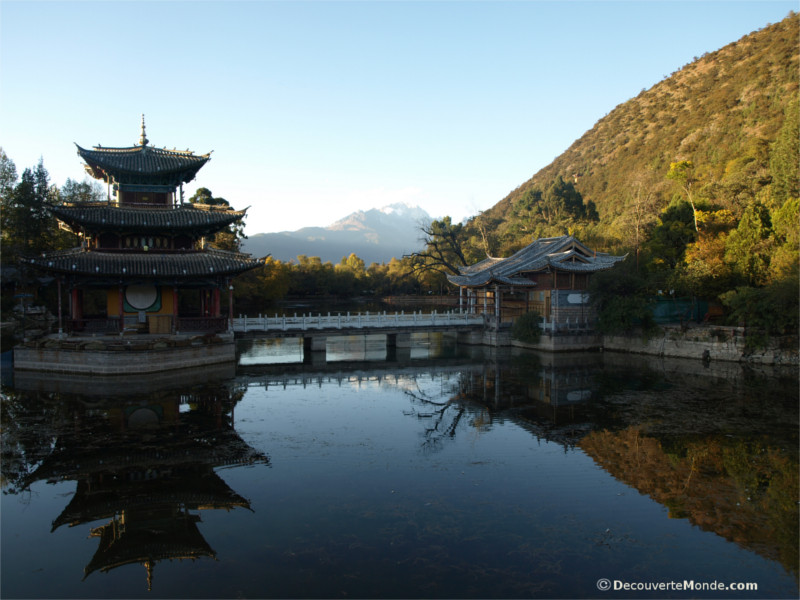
x=461, y=472
x=145, y=465
x=350, y=348
x=705, y=443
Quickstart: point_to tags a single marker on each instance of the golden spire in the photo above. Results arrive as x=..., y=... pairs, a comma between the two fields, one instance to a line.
x=143, y=138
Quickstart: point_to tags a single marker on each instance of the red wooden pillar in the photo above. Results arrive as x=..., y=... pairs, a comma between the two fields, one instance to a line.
x=121, y=305
x=60, y=328
x=175, y=308
x=230, y=314
x=217, y=303
x=77, y=304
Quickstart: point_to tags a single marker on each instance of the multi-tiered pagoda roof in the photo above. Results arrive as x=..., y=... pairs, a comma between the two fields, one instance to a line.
x=153, y=254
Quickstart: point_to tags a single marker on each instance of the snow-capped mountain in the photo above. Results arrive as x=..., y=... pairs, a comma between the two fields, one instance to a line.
x=375, y=235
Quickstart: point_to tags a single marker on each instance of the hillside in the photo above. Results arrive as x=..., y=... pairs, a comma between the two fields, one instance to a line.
x=723, y=112
x=375, y=235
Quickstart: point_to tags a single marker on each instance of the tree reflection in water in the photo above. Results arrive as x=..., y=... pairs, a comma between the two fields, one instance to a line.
x=698, y=442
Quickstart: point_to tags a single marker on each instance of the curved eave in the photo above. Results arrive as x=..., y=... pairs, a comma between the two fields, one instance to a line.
x=146, y=265
x=105, y=218
x=142, y=163
x=463, y=281
x=596, y=264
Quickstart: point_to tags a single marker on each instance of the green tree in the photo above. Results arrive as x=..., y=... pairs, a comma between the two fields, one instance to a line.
x=640, y=215
x=81, y=191
x=622, y=297
x=749, y=246
x=259, y=288
x=767, y=311
x=683, y=173
x=445, y=247
x=353, y=264
x=526, y=327
x=786, y=233
x=203, y=195
x=667, y=244
x=28, y=227
x=230, y=238
x=783, y=157
x=8, y=177
x=556, y=210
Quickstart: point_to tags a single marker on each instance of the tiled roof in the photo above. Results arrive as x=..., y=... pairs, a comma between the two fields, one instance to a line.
x=562, y=253
x=143, y=163
x=105, y=217
x=146, y=265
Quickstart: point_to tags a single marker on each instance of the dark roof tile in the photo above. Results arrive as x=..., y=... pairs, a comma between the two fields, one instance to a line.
x=99, y=217
x=149, y=265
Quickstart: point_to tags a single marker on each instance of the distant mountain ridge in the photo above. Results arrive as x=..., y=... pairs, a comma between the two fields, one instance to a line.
x=374, y=235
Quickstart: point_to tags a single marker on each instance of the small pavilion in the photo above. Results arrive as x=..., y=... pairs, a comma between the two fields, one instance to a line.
x=549, y=276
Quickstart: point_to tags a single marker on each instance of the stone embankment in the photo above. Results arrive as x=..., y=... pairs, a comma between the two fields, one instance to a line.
x=707, y=343
x=119, y=355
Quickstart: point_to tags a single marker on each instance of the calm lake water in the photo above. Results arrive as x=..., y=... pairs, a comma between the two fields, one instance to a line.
x=446, y=471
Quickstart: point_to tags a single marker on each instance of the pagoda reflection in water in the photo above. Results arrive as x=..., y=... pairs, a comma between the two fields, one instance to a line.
x=149, y=466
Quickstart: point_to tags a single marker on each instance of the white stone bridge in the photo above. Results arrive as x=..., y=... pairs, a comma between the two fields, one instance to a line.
x=316, y=329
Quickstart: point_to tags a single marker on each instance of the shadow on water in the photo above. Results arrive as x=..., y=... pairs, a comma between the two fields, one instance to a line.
x=716, y=446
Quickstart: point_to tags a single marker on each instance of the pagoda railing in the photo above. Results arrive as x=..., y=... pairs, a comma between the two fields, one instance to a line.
x=202, y=324
x=153, y=324
x=93, y=325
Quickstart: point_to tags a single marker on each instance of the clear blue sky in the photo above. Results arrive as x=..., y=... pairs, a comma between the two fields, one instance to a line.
x=317, y=109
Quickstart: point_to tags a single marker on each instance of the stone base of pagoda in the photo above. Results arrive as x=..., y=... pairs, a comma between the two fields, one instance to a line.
x=110, y=356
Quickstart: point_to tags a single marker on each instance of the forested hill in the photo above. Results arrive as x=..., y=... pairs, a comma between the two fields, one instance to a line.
x=723, y=113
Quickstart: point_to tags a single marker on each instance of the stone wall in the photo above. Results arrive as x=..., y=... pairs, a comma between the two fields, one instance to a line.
x=124, y=356
x=706, y=343
x=574, y=342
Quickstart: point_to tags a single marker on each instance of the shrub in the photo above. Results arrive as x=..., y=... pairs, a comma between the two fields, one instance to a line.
x=526, y=328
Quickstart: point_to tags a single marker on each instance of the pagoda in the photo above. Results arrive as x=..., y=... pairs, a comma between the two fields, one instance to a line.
x=144, y=264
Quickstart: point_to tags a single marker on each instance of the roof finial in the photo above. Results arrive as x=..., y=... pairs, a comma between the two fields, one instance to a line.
x=143, y=138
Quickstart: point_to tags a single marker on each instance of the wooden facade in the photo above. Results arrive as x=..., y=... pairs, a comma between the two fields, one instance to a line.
x=143, y=264
x=549, y=276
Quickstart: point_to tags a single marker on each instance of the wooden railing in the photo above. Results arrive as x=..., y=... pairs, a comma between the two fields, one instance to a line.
x=94, y=325
x=153, y=324
x=202, y=324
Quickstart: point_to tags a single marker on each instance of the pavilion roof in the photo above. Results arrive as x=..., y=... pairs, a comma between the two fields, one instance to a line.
x=75, y=459
x=196, y=489
x=123, y=264
x=142, y=164
x=201, y=219
x=563, y=253
x=147, y=544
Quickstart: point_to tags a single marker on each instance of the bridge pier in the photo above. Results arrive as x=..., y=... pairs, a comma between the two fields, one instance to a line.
x=398, y=340
x=398, y=347
x=314, y=350
x=470, y=338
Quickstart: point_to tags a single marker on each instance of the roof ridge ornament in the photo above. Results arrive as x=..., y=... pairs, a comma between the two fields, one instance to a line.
x=143, y=137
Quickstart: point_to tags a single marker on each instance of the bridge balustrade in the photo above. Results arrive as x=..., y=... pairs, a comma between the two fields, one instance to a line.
x=366, y=320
